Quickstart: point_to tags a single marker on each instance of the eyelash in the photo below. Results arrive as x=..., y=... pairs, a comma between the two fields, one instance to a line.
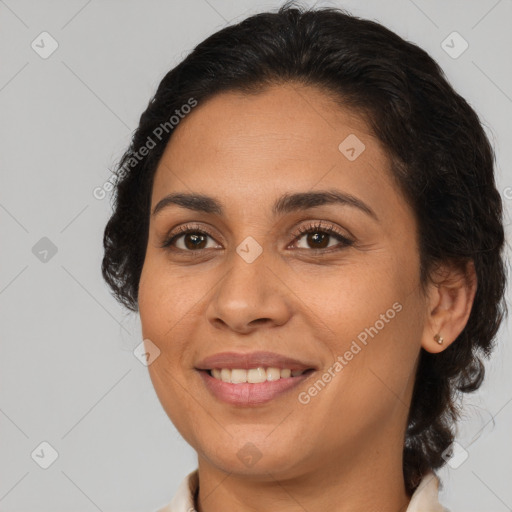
x=303, y=230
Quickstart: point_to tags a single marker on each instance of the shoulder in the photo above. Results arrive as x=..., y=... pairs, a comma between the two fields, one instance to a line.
x=183, y=500
x=426, y=496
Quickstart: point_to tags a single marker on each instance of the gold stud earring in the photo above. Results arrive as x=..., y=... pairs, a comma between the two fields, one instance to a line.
x=439, y=339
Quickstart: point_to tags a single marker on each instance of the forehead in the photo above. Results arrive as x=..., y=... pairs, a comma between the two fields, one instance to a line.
x=285, y=137
x=280, y=118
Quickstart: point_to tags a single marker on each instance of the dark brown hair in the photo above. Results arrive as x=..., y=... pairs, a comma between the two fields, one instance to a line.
x=441, y=158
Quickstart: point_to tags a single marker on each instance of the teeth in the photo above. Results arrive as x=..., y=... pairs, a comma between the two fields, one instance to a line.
x=238, y=376
x=253, y=375
x=256, y=375
x=273, y=373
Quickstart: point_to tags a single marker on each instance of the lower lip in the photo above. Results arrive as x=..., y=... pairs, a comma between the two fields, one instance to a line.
x=247, y=394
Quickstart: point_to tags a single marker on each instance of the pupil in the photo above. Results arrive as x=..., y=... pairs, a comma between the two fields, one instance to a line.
x=314, y=238
x=194, y=241
x=195, y=238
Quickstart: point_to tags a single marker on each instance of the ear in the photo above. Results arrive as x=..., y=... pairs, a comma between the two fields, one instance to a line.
x=450, y=298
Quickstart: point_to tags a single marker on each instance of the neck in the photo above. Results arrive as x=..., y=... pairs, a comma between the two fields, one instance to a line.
x=354, y=482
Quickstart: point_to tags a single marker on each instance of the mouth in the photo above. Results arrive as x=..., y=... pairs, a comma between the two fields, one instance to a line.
x=254, y=386
x=255, y=375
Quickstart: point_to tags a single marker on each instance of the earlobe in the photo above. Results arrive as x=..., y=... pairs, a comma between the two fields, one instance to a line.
x=439, y=339
x=450, y=300
x=436, y=344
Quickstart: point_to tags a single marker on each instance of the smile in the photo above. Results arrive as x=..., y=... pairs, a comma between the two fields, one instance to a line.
x=251, y=387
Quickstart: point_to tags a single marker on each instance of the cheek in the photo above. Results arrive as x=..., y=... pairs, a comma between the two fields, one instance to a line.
x=353, y=297
x=163, y=301
x=151, y=305
x=164, y=310
x=170, y=306
x=373, y=319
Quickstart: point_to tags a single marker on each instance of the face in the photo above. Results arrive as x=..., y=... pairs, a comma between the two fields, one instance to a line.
x=275, y=264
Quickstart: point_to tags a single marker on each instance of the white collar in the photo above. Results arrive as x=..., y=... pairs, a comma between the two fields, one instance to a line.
x=424, y=499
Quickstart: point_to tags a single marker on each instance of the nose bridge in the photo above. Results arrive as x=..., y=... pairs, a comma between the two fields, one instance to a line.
x=249, y=291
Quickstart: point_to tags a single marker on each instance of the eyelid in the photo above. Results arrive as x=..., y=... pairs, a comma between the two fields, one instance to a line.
x=183, y=230
x=331, y=230
x=311, y=227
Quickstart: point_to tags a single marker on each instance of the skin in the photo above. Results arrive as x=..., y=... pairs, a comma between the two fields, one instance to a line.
x=343, y=450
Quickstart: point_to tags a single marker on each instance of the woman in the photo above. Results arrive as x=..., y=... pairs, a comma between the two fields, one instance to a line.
x=308, y=225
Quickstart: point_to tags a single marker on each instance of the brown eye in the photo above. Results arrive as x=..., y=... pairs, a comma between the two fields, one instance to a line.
x=189, y=239
x=318, y=240
x=194, y=241
x=318, y=237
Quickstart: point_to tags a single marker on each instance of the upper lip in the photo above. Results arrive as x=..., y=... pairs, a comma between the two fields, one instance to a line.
x=252, y=360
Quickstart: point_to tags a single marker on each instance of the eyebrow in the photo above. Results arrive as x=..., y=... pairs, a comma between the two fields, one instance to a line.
x=287, y=203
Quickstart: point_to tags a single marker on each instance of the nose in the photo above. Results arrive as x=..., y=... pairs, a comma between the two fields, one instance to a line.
x=249, y=296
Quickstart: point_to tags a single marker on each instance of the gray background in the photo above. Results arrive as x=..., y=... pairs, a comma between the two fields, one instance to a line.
x=68, y=375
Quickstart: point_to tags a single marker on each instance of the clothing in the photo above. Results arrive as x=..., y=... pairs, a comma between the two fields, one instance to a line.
x=424, y=499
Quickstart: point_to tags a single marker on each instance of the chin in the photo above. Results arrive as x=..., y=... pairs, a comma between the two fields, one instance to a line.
x=244, y=457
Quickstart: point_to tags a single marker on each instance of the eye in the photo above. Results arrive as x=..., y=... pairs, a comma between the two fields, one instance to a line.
x=319, y=237
x=188, y=238
x=194, y=238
